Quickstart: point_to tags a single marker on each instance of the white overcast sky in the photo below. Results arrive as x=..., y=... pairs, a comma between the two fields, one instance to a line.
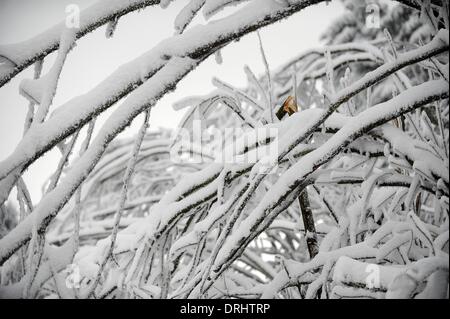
x=95, y=57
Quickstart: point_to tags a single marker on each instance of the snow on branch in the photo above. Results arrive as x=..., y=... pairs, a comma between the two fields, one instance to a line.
x=23, y=54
